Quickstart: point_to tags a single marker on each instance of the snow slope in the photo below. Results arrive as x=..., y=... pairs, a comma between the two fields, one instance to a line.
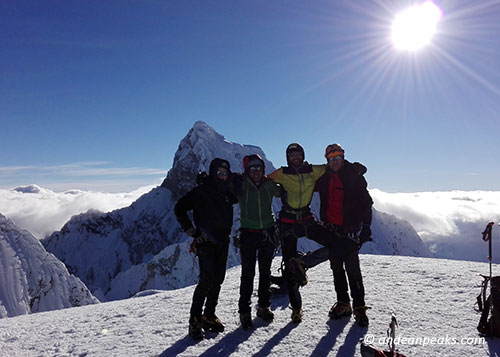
x=33, y=280
x=174, y=267
x=431, y=298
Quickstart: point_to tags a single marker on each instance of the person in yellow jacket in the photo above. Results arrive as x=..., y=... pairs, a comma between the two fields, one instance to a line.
x=296, y=220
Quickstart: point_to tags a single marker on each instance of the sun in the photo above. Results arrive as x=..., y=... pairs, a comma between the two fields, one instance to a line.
x=413, y=28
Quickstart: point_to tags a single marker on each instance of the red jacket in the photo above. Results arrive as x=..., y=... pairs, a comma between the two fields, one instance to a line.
x=356, y=201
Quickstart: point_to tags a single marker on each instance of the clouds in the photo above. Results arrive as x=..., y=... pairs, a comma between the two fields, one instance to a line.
x=42, y=211
x=88, y=175
x=450, y=223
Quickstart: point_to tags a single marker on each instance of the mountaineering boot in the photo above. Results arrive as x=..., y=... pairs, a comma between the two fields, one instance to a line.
x=212, y=323
x=195, y=330
x=339, y=310
x=298, y=270
x=246, y=321
x=265, y=314
x=297, y=315
x=360, y=316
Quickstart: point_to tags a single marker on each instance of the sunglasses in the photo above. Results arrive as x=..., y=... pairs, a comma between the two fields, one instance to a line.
x=255, y=168
x=294, y=154
x=222, y=173
x=335, y=158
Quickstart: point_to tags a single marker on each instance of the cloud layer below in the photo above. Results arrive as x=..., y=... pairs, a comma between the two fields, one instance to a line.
x=450, y=223
x=42, y=211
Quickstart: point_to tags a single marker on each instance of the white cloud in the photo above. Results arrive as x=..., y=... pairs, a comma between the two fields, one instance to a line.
x=449, y=222
x=42, y=211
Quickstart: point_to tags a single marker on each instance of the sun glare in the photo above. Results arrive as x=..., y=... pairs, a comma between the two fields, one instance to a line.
x=413, y=28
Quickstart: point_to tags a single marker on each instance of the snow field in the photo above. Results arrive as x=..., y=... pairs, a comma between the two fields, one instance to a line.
x=430, y=297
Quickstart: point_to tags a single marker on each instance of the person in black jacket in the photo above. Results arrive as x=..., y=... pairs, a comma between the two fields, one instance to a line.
x=346, y=209
x=212, y=206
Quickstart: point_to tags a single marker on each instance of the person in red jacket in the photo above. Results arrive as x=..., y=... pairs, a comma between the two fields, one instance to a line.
x=346, y=210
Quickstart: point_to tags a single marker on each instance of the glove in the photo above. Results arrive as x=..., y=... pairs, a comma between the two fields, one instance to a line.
x=199, y=237
x=191, y=232
x=365, y=235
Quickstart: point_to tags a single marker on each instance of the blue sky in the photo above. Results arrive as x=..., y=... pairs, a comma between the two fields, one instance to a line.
x=98, y=94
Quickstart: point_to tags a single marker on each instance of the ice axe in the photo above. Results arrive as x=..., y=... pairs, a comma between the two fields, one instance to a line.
x=487, y=238
x=391, y=333
x=370, y=350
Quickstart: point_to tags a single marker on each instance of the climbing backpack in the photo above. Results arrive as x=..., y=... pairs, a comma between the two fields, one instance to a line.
x=489, y=307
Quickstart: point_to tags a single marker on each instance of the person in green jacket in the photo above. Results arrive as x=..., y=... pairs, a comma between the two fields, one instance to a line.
x=257, y=238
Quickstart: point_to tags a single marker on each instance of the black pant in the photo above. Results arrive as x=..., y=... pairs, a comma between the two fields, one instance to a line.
x=346, y=255
x=253, y=244
x=212, y=259
x=289, y=234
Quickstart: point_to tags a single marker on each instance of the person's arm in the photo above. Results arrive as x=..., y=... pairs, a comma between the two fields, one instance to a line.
x=233, y=199
x=359, y=168
x=236, y=183
x=318, y=171
x=366, y=205
x=366, y=202
x=276, y=175
x=182, y=207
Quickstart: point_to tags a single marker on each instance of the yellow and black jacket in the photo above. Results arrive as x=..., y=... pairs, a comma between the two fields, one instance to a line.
x=297, y=184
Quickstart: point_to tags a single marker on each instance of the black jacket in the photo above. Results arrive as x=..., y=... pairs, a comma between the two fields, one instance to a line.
x=357, y=205
x=212, y=206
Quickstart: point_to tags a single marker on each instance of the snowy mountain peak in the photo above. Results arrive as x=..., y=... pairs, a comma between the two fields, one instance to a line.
x=202, y=144
x=31, y=279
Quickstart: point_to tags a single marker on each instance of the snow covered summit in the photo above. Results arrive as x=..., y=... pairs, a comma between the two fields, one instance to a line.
x=33, y=280
x=196, y=151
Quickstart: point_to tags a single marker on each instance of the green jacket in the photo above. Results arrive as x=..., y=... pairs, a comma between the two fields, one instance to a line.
x=256, y=203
